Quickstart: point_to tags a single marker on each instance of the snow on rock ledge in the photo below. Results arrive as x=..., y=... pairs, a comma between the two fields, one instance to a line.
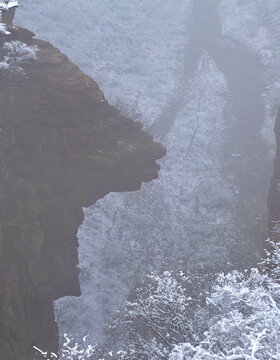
x=14, y=52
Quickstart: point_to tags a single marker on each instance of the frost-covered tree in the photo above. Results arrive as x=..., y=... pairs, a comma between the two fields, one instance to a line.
x=245, y=321
x=162, y=315
x=239, y=319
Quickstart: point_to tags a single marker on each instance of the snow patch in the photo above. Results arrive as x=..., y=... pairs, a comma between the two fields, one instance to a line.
x=6, y=5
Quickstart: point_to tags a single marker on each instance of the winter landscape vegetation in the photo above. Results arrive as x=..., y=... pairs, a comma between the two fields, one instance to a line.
x=177, y=259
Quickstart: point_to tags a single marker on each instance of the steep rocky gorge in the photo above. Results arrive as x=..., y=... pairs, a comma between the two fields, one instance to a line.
x=62, y=147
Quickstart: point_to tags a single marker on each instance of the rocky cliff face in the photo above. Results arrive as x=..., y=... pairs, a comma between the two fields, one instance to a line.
x=62, y=146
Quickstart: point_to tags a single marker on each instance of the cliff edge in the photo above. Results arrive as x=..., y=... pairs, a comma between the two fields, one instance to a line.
x=62, y=147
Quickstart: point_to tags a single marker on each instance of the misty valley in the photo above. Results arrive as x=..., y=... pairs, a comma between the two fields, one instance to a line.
x=140, y=180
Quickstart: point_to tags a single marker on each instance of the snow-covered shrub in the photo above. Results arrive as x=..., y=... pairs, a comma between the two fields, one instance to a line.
x=245, y=324
x=159, y=317
x=71, y=350
x=272, y=260
x=239, y=319
x=21, y=51
x=162, y=315
x=16, y=53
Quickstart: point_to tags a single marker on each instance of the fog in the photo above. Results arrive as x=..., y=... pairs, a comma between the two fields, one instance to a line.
x=203, y=78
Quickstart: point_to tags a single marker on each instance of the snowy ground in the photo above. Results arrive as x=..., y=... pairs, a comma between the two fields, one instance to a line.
x=135, y=50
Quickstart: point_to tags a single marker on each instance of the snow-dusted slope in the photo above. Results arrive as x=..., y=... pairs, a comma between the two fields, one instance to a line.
x=132, y=48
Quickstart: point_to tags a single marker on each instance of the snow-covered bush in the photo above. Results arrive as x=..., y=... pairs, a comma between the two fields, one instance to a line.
x=245, y=323
x=238, y=319
x=160, y=317
x=71, y=350
x=15, y=53
x=21, y=51
x=272, y=260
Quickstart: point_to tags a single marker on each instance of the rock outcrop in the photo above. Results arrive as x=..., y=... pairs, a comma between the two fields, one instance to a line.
x=62, y=147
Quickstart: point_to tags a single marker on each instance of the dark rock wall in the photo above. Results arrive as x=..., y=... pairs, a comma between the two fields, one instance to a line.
x=62, y=146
